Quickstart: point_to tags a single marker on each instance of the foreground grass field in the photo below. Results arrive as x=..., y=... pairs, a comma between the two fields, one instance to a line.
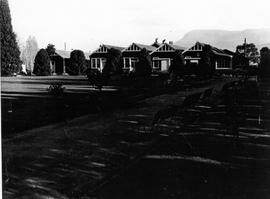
x=26, y=103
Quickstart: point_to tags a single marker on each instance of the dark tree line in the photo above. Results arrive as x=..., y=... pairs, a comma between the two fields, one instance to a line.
x=10, y=53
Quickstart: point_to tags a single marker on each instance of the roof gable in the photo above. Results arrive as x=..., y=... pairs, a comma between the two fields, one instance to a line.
x=168, y=48
x=197, y=47
x=135, y=47
x=102, y=49
x=165, y=48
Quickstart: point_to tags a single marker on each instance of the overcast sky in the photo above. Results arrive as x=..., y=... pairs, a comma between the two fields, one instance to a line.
x=84, y=24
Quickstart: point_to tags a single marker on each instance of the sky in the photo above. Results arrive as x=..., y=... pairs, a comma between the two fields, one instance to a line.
x=85, y=24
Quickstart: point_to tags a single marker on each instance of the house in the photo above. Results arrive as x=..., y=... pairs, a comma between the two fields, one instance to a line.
x=162, y=57
x=200, y=52
x=99, y=57
x=60, y=60
x=131, y=54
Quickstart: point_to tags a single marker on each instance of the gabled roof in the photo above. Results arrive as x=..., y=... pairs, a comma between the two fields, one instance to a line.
x=177, y=47
x=66, y=54
x=137, y=47
x=114, y=47
x=165, y=47
x=63, y=53
x=103, y=48
x=213, y=49
x=147, y=47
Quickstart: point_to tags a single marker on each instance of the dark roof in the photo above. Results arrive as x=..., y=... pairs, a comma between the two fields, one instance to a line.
x=177, y=47
x=66, y=54
x=114, y=47
x=147, y=47
x=214, y=50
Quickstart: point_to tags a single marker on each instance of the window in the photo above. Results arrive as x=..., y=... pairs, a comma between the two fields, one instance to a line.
x=156, y=64
x=93, y=63
x=126, y=63
x=133, y=62
x=98, y=63
x=161, y=63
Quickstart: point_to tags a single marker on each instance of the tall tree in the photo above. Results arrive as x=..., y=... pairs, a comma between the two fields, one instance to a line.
x=29, y=52
x=10, y=53
x=50, y=49
x=42, y=63
x=77, y=64
x=249, y=51
x=143, y=66
x=113, y=63
x=264, y=66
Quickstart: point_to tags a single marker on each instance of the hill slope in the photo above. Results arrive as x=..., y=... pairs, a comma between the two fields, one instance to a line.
x=226, y=39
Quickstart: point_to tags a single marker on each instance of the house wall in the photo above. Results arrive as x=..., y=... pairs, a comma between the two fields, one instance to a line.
x=57, y=64
x=98, y=57
x=161, y=61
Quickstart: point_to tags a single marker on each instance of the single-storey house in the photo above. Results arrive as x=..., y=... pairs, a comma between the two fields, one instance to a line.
x=163, y=56
x=99, y=57
x=60, y=60
x=218, y=59
x=131, y=54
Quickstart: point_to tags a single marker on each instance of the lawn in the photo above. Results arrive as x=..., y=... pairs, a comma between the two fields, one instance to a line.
x=26, y=103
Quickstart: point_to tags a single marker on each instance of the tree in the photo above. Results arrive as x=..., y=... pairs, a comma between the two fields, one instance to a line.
x=50, y=49
x=264, y=66
x=249, y=51
x=204, y=68
x=42, y=63
x=29, y=52
x=143, y=66
x=10, y=53
x=77, y=64
x=113, y=63
x=177, y=67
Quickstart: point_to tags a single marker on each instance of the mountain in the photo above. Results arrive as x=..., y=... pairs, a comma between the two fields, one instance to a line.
x=226, y=39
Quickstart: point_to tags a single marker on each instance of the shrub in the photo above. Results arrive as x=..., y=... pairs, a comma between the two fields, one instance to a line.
x=56, y=89
x=143, y=66
x=77, y=64
x=95, y=78
x=42, y=63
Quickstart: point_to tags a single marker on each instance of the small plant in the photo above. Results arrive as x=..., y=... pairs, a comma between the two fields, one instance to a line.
x=56, y=89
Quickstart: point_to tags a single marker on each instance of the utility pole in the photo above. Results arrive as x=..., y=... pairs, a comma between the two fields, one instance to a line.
x=245, y=44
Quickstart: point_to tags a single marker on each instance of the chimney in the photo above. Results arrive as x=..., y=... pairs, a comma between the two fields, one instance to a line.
x=65, y=46
x=171, y=42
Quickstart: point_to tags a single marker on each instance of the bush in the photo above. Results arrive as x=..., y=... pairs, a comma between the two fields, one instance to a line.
x=77, y=64
x=95, y=78
x=56, y=89
x=143, y=66
x=42, y=63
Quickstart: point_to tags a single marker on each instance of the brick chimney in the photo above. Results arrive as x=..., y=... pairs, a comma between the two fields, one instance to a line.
x=171, y=42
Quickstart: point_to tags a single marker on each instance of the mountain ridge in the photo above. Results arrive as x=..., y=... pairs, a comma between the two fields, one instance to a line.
x=226, y=39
